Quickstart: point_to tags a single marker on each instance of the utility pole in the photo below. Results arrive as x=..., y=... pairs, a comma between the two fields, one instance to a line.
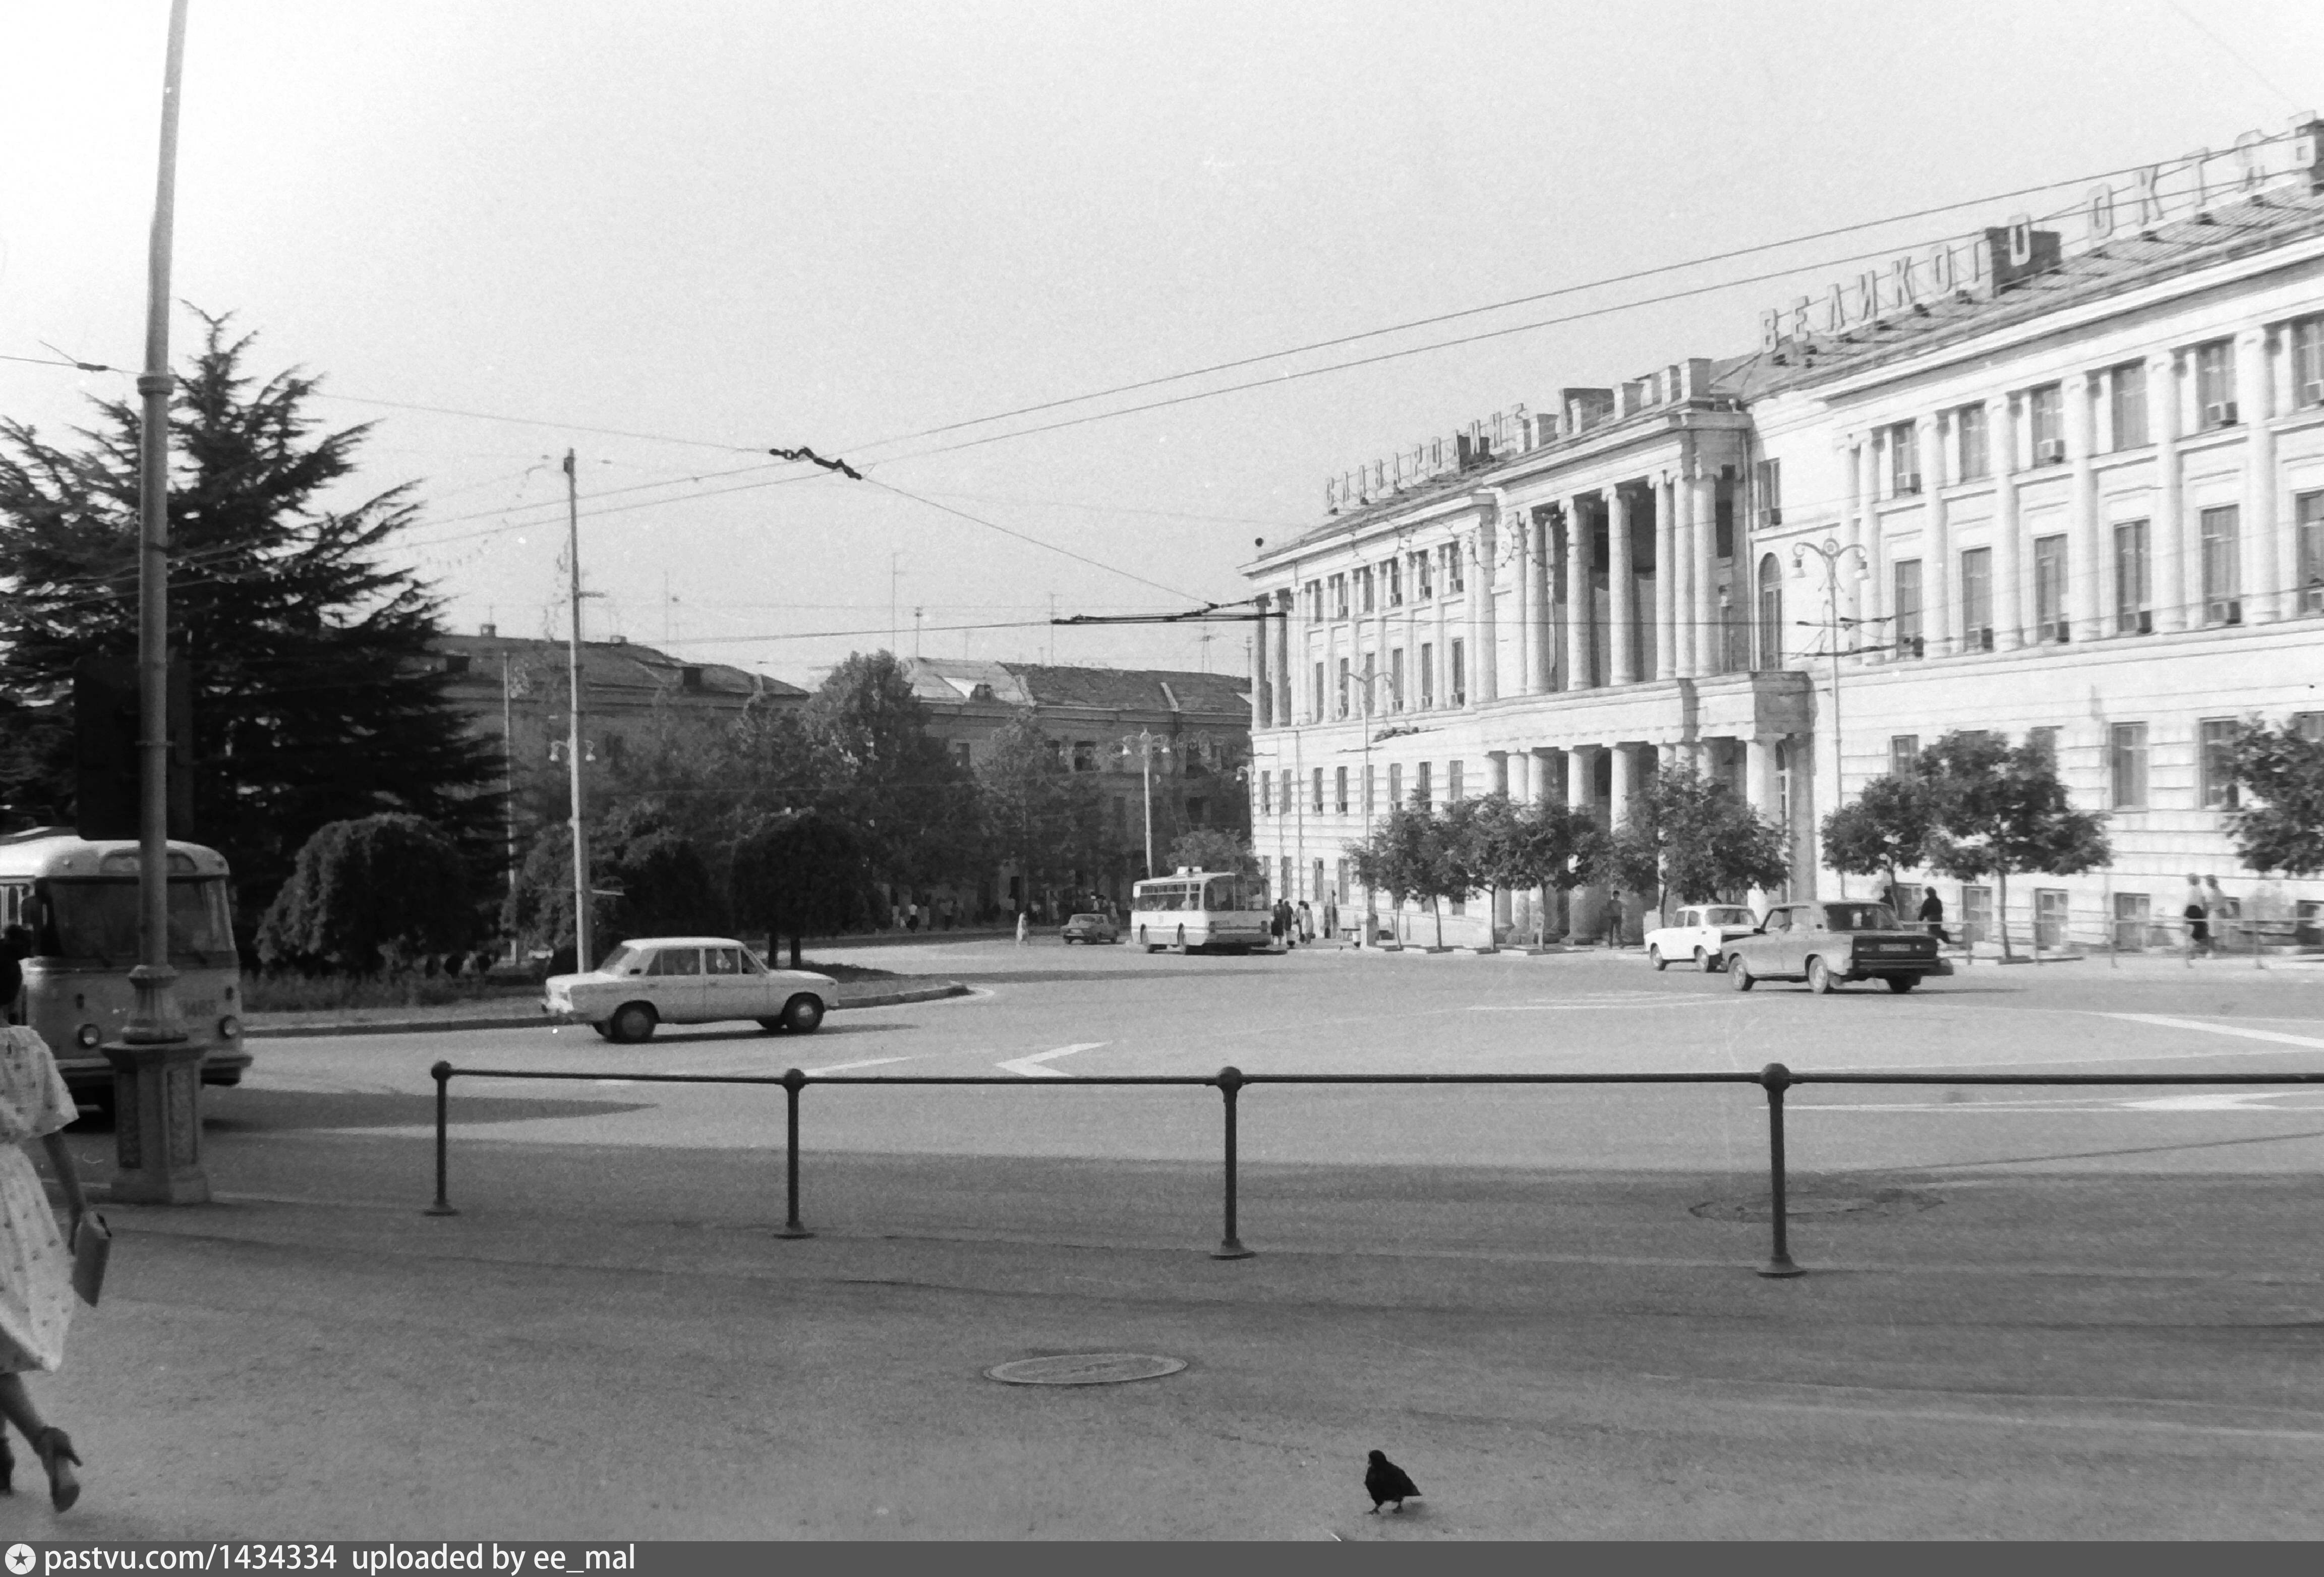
x=583, y=959
x=895, y=627
x=1146, y=742
x=156, y=1079
x=1834, y=554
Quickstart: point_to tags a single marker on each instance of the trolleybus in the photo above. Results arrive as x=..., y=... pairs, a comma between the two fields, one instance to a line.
x=1195, y=909
x=77, y=900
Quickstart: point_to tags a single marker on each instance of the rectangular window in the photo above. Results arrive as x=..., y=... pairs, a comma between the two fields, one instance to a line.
x=2050, y=912
x=2309, y=725
x=960, y=755
x=1452, y=780
x=2045, y=413
x=2049, y=588
x=1314, y=602
x=1904, y=459
x=1394, y=787
x=1976, y=915
x=1283, y=807
x=2308, y=528
x=1909, y=639
x=1364, y=588
x=2215, y=764
x=1904, y=755
x=1340, y=789
x=1395, y=680
x=1339, y=596
x=1317, y=803
x=2308, y=363
x=1315, y=710
x=1976, y=458
x=2223, y=602
x=1396, y=583
x=2133, y=912
x=2126, y=765
x=1722, y=518
x=1343, y=889
x=1341, y=709
x=2133, y=609
x=1085, y=755
x=2044, y=742
x=1266, y=799
x=1769, y=476
x=2215, y=385
x=1455, y=676
x=1427, y=676
x=1453, y=583
x=1977, y=599
x=2126, y=385
x=1420, y=790
x=1421, y=589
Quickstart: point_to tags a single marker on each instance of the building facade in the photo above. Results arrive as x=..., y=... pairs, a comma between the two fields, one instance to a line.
x=2034, y=483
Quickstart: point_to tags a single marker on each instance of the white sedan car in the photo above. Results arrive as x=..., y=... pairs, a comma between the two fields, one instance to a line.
x=686, y=979
x=1698, y=932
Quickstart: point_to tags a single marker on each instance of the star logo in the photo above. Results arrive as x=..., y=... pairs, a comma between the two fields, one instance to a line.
x=19, y=1559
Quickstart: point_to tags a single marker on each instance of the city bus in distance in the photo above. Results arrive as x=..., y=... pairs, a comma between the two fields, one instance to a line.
x=1195, y=909
x=78, y=900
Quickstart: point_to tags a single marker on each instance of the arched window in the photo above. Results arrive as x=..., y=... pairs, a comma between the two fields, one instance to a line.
x=1771, y=613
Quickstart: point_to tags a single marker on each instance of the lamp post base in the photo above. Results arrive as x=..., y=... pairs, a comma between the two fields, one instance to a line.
x=157, y=1124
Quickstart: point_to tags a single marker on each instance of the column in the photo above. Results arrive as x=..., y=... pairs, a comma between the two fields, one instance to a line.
x=1937, y=548
x=1444, y=677
x=1864, y=585
x=1623, y=663
x=1665, y=577
x=1484, y=677
x=2085, y=557
x=2168, y=542
x=1687, y=644
x=1497, y=771
x=1579, y=674
x=1262, y=688
x=2264, y=573
x=2008, y=594
x=1710, y=638
x=1544, y=616
x=1582, y=905
x=1283, y=713
x=1377, y=689
x=1517, y=534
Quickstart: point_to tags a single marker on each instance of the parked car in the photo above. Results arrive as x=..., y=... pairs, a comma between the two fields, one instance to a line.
x=1090, y=928
x=1700, y=932
x=649, y=980
x=1826, y=944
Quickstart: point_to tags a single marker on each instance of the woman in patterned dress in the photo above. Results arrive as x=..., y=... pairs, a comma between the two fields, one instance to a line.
x=36, y=1294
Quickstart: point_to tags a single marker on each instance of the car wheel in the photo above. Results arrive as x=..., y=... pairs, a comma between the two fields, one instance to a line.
x=1704, y=964
x=802, y=1014
x=1901, y=983
x=1820, y=979
x=1740, y=976
x=1181, y=941
x=1655, y=956
x=604, y=1032
x=632, y=1022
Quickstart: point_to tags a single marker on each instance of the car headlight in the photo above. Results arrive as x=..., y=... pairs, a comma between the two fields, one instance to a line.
x=229, y=1028
x=88, y=1035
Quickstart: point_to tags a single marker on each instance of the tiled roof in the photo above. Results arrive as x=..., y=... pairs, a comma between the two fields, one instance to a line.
x=1117, y=689
x=610, y=668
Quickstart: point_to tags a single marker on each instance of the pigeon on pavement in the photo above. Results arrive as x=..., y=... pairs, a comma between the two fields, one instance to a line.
x=1385, y=1481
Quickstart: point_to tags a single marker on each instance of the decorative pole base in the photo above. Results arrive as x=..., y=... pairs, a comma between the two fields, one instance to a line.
x=157, y=1124
x=1232, y=1249
x=793, y=1230
x=1781, y=1266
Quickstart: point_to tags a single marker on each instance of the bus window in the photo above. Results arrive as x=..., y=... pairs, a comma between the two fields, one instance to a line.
x=1219, y=893
x=99, y=919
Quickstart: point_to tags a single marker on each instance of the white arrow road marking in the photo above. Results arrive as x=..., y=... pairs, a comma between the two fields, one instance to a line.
x=1031, y=1066
x=2235, y=1029
x=841, y=1067
x=2217, y=1101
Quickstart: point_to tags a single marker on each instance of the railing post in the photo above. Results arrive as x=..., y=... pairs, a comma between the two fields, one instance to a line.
x=1776, y=1078
x=442, y=1074
x=1230, y=1083
x=794, y=1081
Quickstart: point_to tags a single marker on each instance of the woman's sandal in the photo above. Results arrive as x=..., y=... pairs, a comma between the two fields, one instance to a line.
x=56, y=1450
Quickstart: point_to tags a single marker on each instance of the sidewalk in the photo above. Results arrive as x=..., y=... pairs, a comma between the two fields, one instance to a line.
x=524, y=1012
x=609, y=1344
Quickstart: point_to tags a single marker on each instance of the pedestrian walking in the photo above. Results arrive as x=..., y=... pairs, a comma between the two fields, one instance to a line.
x=912, y=915
x=1331, y=918
x=2219, y=912
x=1280, y=926
x=1306, y=922
x=1024, y=925
x=2197, y=913
x=1933, y=914
x=35, y=1269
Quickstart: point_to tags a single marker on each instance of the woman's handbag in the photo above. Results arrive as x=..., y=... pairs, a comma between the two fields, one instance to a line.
x=92, y=1247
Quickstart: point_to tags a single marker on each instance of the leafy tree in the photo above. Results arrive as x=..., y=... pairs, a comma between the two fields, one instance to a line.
x=875, y=764
x=802, y=874
x=646, y=879
x=1692, y=838
x=1411, y=855
x=1039, y=815
x=380, y=892
x=2283, y=770
x=2002, y=810
x=1886, y=830
x=1213, y=849
x=314, y=699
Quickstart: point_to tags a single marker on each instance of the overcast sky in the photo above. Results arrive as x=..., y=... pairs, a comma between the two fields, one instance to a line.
x=723, y=228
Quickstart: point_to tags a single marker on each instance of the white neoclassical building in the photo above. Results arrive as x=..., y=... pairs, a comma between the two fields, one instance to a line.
x=2033, y=481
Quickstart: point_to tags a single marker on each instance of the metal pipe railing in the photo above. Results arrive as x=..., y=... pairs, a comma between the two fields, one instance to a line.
x=1775, y=1079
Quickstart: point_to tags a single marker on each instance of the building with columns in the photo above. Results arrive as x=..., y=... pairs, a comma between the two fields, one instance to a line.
x=2070, y=486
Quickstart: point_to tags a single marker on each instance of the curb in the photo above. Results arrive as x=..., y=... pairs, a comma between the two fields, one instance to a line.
x=950, y=988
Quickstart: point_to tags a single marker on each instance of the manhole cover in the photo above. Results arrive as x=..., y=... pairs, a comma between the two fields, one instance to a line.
x=1084, y=1369
x=1878, y=1203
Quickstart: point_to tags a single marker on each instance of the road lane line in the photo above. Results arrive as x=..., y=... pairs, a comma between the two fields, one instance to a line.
x=2021, y=1421
x=841, y=1067
x=1032, y=1067
x=2238, y=1030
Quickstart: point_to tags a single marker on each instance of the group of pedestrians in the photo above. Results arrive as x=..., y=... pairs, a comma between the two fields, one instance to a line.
x=2206, y=912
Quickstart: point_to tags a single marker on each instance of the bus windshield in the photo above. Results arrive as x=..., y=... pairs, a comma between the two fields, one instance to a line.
x=98, y=919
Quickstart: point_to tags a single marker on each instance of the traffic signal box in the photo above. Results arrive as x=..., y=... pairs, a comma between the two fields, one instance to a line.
x=104, y=729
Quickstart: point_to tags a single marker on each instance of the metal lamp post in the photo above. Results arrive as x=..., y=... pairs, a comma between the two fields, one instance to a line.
x=1834, y=554
x=1146, y=742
